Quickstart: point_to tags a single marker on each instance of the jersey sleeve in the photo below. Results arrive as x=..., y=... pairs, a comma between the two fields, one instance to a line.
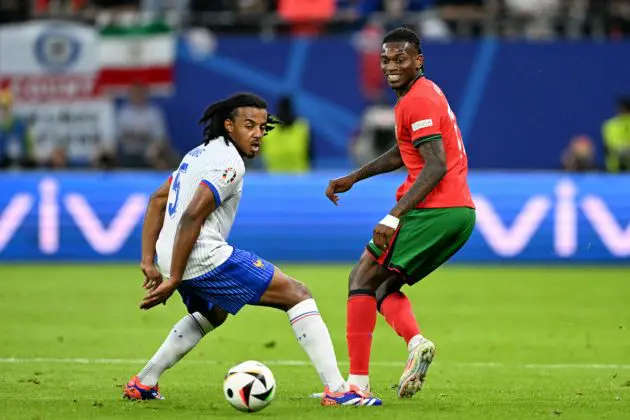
x=222, y=182
x=423, y=121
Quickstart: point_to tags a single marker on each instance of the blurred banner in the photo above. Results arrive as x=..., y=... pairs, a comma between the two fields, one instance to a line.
x=520, y=217
x=51, y=70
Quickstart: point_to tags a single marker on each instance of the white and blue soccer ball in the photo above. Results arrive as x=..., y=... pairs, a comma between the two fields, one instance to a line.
x=249, y=386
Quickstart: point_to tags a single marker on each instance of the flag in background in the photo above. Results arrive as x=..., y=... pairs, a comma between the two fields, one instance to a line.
x=137, y=54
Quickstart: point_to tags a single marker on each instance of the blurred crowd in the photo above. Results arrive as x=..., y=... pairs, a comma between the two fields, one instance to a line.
x=580, y=156
x=140, y=138
x=435, y=18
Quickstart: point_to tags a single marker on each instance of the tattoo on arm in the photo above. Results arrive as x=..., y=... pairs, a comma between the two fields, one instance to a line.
x=387, y=162
x=433, y=171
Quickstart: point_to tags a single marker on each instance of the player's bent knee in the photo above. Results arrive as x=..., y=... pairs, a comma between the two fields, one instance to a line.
x=216, y=316
x=359, y=281
x=297, y=293
x=390, y=286
x=301, y=291
x=352, y=278
x=284, y=292
x=367, y=275
x=359, y=276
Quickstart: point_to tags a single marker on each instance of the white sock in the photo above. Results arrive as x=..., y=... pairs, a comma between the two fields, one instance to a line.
x=311, y=332
x=361, y=381
x=415, y=340
x=184, y=336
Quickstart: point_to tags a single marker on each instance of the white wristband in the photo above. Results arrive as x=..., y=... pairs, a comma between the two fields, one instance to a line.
x=390, y=221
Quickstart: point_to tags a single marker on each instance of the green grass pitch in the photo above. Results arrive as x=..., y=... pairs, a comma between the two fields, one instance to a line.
x=513, y=343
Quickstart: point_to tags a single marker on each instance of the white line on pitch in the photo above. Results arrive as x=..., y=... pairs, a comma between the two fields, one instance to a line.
x=85, y=361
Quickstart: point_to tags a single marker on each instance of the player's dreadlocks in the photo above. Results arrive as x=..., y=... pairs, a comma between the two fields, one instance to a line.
x=404, y=34
x=215, y=115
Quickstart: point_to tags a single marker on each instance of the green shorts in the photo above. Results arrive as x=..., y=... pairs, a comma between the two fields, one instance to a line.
x=425, y=239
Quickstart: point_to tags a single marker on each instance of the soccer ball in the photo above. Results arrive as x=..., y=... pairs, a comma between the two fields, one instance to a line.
x=249, y=386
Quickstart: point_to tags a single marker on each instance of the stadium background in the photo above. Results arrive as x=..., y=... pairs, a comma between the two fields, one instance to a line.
x=522, y=96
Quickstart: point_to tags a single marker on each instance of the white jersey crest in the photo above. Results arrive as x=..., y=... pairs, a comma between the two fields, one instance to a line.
x=220, y=168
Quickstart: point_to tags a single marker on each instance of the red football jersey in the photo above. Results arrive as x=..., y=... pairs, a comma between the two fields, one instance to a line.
x=423, y=114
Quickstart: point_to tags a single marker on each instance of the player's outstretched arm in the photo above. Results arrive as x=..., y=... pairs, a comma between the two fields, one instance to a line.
x=387, y=162
x=188, y=229
x=433, y=171
x=153, y=221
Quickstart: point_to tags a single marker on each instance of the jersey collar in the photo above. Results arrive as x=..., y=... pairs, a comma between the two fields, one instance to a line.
x=410, y=86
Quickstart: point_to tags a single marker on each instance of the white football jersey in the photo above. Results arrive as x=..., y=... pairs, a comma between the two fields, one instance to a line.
x=220, y=168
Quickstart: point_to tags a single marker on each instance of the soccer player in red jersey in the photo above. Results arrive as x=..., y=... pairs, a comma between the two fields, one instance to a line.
x=433, y=218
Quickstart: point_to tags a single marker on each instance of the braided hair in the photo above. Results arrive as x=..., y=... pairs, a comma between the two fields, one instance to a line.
x=215, y=115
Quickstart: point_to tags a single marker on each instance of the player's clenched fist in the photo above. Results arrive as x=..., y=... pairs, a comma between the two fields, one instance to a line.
x=382, y=236
x=339, y=185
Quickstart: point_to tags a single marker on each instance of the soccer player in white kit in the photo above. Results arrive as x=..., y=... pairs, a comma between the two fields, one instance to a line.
x=184, y=248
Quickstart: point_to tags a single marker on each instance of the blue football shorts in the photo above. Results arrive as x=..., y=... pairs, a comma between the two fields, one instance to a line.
x=241, y=280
